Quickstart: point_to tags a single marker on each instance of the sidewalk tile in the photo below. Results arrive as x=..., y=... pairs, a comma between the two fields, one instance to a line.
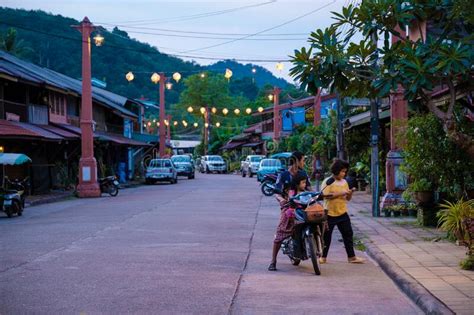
x=435, y=284
x=451, y=295
x=445, y=271
x=457, y=279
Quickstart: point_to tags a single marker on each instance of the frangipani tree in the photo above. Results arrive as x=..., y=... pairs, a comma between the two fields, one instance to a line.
x=443, y=58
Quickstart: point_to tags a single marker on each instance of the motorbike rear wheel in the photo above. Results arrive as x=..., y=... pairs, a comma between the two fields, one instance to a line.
x=311, y=250
x=266, y=189
x=113, y=190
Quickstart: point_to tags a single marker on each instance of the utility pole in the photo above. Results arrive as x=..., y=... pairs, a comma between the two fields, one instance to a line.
x=340, y=132
x=374, y=142
x=162, y=129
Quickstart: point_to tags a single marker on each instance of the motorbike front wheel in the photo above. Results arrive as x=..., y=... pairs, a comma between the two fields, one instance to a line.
x=311, y=250
x=113, y=190
x=267, y=190
x=295, y=261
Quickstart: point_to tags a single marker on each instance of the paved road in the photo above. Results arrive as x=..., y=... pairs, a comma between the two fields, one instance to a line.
x=201, y=247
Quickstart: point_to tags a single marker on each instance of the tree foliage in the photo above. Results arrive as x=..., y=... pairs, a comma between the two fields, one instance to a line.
x=442, y=58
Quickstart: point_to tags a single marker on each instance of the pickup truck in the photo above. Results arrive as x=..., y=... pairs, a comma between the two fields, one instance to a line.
x=249, y=166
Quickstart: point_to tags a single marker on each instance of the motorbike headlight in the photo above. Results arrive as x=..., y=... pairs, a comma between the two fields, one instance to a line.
x=9, y=196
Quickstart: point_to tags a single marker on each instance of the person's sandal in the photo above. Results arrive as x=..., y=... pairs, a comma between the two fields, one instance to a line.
x=323, y=260
x=272, y=267
x=356, y=260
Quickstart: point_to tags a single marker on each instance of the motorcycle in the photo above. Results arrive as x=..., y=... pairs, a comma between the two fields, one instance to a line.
x=307, y=241
x=109, y=185
x=268, y=184
x=13, y=198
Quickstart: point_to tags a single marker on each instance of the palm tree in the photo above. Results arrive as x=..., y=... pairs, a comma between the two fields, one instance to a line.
x=10, y=43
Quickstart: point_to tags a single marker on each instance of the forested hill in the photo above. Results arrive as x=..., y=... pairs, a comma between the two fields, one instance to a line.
x=50, y=41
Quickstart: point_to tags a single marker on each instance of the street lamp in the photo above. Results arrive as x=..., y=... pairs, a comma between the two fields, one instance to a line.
x=88, y=185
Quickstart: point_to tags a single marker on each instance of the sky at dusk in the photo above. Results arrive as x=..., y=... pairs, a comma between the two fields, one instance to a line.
x=239, y=29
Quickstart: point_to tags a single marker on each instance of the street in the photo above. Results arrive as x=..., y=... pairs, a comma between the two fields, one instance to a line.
x=202, y=247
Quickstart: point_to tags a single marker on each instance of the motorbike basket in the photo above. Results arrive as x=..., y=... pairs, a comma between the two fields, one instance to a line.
x=312, y=214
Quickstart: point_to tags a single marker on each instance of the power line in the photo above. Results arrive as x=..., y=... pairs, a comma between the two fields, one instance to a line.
x=202, y=33
x=145, y=51
x=265, y=30
x=211, y=37
x=197, y=16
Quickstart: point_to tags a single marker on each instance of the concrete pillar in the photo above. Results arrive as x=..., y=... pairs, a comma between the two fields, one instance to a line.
x=162, y=129
x=88, y=185
x=395, y=179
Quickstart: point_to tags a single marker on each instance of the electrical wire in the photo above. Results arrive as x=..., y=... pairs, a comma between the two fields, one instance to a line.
x=265, y=30
x=146, y=51
x=196, y=16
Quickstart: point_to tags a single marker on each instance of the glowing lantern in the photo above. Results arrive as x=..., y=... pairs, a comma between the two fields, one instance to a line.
x=260, y=109
x=196, y=125
x=154, y=120
x=158, y=124
x=228, y=74
x=190, y=109
x=254, y=70
x=169, y=85
x=155, y=78
x=206, y=125
x=279, y=66
x=129, y=76
x=218, y=124
x=176, y=76
x=270, y=97
x=167, y=122
x=203, y=75
x=225, y=111
x=237, y=111
x=175, y=123
x=149, y=124
x=98, y=40
x=214, y=110
x=248, y=111
x=203, y=110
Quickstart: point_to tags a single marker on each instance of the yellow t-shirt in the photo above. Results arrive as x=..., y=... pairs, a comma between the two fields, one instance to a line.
x=336, y=206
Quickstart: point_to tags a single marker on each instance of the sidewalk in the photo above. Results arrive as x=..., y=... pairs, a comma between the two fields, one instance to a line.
x=418, y=259
x=55, y=196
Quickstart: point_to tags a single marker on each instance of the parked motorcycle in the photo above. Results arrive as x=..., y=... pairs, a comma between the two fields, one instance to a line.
x=109, y=185
x=268, y=184
x=13, y=198
x=307, y=241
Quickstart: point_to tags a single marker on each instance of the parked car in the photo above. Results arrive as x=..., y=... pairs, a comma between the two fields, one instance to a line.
x=161, y=170
x=284, y=158
x=213, y=163
x=184, y=165
x=250, y=165
x=268, y=166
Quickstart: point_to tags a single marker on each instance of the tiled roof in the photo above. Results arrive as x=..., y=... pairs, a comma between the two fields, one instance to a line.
x=11, y=130
x=26, y=71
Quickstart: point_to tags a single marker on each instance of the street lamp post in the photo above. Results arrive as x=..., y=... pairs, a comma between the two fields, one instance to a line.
x=162, y=130
x=276, y=113
x=88, y=185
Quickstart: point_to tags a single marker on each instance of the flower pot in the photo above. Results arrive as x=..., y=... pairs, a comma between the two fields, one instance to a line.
x=424, y=197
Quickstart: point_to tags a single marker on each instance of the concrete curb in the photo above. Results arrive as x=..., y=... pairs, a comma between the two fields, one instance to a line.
x=413, y=289
x=49, y=200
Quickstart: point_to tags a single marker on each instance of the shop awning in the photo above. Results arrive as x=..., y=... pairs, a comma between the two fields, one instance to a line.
x=13, y=159
x=62, y=132
x=21, y=130
x=232, y=145
x=119, y=139
x=252, y=145
x=364, y=118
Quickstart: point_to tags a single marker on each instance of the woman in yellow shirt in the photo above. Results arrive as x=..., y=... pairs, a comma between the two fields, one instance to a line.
x=337, y=211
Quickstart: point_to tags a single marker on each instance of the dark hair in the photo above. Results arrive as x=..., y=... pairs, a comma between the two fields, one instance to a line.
x=295, y=157
x=295, y=181
x=338, y=165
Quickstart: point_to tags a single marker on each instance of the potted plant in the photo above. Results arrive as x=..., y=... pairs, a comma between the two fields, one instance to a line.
x=397, y=210
x=412, y=209
x=423, y=191
x=387, y=211
x=454, y=218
